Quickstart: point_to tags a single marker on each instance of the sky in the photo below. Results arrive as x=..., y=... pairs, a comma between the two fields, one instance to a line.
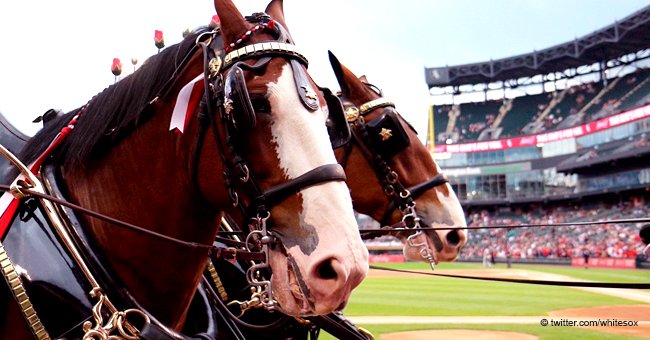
x=57, y=54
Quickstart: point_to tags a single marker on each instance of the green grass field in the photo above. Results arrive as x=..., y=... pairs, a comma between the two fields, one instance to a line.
x=420, y=295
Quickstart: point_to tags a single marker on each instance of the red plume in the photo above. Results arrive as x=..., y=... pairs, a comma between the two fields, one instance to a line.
x=158, y=39
x=215, y=22
x=116, y=68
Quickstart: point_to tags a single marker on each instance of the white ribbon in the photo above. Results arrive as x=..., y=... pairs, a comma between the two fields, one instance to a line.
x=179, y=115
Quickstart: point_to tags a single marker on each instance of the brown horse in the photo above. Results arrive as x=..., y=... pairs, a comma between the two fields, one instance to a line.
x=122, y=160
x=403, y=168
x=368, y=161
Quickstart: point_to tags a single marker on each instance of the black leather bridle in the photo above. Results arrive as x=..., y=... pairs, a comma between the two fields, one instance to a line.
x=217, y=106
x=399, y=196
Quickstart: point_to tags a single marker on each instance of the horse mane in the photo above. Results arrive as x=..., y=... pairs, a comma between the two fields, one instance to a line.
x=112, y=113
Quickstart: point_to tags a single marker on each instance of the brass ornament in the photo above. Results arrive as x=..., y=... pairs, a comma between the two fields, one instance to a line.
x=385, y=134
x=214, y=66
x=116, y=327
x=13, y=278
x=351, y=114
x=227, y=104
x=309, y=93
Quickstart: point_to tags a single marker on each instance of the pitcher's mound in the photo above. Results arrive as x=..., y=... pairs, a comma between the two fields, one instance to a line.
x=460, y=334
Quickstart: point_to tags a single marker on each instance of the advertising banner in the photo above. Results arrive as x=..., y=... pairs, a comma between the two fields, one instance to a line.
x=540, y=139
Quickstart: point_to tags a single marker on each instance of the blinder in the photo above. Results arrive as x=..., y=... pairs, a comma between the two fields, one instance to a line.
x=337, y=126
x=387, y=134
x=239, y=108
x=238, y=103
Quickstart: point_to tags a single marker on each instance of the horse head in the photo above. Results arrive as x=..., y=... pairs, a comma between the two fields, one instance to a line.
x=408, y=184
x=319, y=258
x=194, y=130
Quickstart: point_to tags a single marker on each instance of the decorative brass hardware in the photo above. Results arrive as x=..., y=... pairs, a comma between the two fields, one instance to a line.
x=309, y=93
x=256, y=301
x=19, y=292
x=227, y=104
x=217, y=281
x=385, y=134
x=351, y=113
x=114, y=328
x=214, y=66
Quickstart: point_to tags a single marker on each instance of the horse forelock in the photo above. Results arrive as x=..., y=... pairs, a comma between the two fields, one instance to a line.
x=112, y=113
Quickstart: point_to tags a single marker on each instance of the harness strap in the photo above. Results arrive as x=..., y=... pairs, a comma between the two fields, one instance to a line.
x=306, y=91
x=393, y=188
x=434, y=181
x=213, y=251
x=418, y=190
x=340, y=327
x=319, y=175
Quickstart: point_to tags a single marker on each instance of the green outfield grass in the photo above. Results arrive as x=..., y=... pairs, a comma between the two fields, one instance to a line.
x=544, y=333
x=593, y=274
x=438, y=296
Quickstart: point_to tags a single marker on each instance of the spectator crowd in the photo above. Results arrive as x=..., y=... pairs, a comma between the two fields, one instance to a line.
x=613, y=240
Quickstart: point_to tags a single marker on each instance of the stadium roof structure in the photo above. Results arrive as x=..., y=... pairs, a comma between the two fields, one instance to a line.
x=624, y=37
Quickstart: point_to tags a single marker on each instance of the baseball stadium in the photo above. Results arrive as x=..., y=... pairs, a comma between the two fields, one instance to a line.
x=555, y=139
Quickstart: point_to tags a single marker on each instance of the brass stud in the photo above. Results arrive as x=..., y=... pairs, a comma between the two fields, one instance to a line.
x=227, y=104
x=214, y=66
x=309, y=93
x=385, y=134
x=351, y=113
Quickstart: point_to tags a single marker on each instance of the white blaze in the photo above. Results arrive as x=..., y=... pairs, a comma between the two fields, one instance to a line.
x=303, y=144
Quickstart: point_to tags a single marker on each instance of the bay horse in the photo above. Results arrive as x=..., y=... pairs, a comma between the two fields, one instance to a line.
x=408, y=185
x=393, y=179
x=258, y=134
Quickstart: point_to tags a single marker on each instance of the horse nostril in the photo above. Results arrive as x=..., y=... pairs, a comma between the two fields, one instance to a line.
x=326, y=271
x=453, y=238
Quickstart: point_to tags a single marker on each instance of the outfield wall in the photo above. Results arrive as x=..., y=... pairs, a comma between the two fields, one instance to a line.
x=607, y=262
x=600, y=262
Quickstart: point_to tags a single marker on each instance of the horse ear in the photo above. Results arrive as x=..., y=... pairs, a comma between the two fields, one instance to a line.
x=351, y=86
x=364, y=79
x=233, y=24
x=275, y=9
x=340, y=74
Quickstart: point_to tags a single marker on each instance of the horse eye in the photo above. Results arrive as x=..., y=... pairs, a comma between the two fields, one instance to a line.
x=260, y=104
